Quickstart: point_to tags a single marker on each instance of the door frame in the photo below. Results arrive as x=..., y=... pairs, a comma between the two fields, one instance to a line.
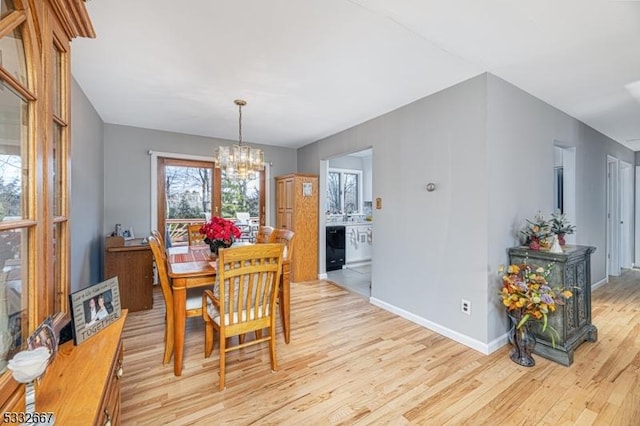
x=154, y=155
x=626, y=215
x=569, y=186
x=612, y=216
x=637, y=221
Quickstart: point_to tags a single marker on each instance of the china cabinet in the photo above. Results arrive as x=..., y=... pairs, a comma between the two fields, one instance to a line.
x=35, y=86
x=571, y=321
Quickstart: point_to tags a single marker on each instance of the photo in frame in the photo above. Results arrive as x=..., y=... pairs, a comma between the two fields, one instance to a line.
x=307, y=189
x=94, y=308
x=128, y=234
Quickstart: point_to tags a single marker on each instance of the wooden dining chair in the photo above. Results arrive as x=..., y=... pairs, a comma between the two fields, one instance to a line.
x=243, y=299
x=194, y=297
x=193, y=232
x=265, y=234
x=158, y=236
x=285, y=237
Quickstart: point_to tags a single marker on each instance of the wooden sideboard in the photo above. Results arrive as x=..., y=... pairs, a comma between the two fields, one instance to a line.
x=132, y=262
x=82, y=384
x=572, y=321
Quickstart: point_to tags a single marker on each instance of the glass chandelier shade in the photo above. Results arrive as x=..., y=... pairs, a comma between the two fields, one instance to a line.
x=239, y=161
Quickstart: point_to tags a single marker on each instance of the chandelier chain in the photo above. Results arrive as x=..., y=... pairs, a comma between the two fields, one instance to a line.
x=239, y=124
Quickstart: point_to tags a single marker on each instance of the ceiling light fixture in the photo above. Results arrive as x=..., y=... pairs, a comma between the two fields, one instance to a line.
x=239, y=161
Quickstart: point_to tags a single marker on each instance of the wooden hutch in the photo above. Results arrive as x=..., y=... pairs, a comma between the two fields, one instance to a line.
x=35, y=97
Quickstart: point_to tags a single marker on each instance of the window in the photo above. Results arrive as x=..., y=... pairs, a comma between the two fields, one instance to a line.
x=240, y=195
x=16, y=189
x=344, y=191
x=191, y=191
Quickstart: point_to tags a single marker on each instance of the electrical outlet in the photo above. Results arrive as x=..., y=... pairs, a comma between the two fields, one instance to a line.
x=465, y=306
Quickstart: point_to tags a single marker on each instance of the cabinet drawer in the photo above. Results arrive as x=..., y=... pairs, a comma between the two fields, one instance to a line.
x=110, y=409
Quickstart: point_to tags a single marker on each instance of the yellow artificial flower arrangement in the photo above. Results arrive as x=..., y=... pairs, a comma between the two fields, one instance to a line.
x=528, y=297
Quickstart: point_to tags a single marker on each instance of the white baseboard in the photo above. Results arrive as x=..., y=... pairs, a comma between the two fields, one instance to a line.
x=600, y=283
x=356, y=264
x=322, y=276
x=451, y=334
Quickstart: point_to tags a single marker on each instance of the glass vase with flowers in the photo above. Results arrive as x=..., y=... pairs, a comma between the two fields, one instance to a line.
x=529, y=299
x=219, y=232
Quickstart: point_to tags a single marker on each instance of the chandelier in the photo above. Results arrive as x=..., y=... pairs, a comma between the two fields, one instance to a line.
x=239, y=161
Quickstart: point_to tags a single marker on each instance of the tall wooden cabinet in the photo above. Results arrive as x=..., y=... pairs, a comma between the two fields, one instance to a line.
x=297, y=209
x=572, y=321
x=35, y=256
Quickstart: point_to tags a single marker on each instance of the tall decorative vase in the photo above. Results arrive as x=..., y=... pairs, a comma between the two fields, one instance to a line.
x=522, y=342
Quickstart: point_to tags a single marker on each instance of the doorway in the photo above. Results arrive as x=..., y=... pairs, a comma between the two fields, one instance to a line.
x=613, y=218
x=564, y=184
x=346, y=184
x=626, y=215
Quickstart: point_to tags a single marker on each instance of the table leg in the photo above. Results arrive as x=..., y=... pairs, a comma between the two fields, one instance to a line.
x=179, y=306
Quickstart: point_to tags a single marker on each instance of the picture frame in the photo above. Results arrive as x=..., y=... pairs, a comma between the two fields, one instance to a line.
x=307, y=189
x=94, y=308
x=128, y=234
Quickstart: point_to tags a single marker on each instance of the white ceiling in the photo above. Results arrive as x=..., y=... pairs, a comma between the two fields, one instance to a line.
x=311, y=68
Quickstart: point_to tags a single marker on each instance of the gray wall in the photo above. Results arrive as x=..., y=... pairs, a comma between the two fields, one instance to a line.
x=422, y=239
x=127, y=188
x=87, y=191
x=520, y=157
x=488, y=147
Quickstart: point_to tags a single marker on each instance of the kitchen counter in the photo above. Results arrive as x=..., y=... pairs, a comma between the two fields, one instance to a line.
x=349, y=223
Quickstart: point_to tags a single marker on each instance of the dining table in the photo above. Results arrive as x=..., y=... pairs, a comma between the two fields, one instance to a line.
x=192, y=266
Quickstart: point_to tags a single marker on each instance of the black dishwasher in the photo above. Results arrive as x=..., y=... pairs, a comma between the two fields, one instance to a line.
x=335, y=247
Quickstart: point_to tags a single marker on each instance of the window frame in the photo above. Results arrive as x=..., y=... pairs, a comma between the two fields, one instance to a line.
x=359, y=190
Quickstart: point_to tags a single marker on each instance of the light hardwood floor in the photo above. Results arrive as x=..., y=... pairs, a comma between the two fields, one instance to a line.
x=350, y=362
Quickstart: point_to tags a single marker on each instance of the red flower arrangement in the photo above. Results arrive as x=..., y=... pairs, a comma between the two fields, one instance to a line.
x=220, y=232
